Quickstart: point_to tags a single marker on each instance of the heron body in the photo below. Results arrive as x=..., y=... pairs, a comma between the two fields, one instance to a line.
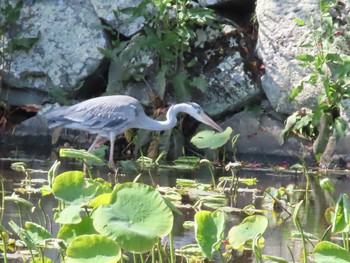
x=109, y=116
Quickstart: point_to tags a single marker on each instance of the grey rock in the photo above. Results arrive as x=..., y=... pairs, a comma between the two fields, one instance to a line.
x=260, y=137
x=65, y=54
x=229, y=85
x=278, y=39
x=110, y=12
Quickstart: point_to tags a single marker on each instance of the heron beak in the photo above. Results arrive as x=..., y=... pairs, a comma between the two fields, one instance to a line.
x=207, y=120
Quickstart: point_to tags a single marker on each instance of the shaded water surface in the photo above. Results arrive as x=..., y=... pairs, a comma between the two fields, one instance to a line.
x=277, y=237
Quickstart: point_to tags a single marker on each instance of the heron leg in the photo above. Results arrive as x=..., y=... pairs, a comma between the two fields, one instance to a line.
x=111, y=154
x=97, y=142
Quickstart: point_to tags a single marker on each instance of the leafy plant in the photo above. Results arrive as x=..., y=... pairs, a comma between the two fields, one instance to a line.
x=163, y=42
x=329, y=68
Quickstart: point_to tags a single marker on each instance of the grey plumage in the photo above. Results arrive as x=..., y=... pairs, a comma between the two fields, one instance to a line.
x=109, y=116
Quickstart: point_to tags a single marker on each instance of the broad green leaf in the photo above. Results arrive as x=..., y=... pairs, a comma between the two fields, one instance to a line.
x=92, y=249
x=37, y=233
x=326, y=252
x=322, y=139
x=299, y=21
x=135, y=218
x=209, y=230
x=80, y=154
x=296, y=90
x=340, y=126
x=161, y=81
x=326, y=185
x=179, y=83
x=305, y=58
x=190, y=251
x=69, y=215
x=19, y=200
x=72, y=187
x=290, y=122
x=102, y=199
x=70, y=231
x=341, y=218
x=211, y=139
x=247, y=230
x=200, y=83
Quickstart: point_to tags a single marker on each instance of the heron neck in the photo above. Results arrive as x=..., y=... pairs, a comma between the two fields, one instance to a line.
x=170, y=122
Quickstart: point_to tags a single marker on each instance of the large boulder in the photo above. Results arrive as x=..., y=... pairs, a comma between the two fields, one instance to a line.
x=64, y=55
x=278, y=40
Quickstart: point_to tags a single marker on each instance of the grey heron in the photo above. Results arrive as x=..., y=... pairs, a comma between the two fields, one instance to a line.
x=109, y=116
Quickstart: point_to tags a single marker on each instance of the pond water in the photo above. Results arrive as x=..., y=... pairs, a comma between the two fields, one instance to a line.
x=277, y=237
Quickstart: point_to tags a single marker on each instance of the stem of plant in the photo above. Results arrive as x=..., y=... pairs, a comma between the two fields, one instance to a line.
x=4, y=246
x=171, y=247
x=211, y=169
x=2, y=199
x=160, y=254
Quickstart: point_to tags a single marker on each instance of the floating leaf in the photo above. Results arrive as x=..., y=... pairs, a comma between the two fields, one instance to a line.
x=74, y=188
x=92, y=249
x=69, y=215
x=341, y=218
x=190, y=251
x=37, y=233
x=325, y=252
x=81, y=154
x=19, y=200
x=70, y=231
x=211, y=139
x=247, y=230
x=135, y=218
x=209, y=229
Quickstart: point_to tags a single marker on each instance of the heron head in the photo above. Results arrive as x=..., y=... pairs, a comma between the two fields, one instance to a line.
x=198, y=113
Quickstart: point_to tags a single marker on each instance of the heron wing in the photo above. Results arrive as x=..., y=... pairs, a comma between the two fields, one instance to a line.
x=99, y=118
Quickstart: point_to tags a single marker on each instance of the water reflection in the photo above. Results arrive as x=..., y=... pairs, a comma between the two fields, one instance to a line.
x=277, y=237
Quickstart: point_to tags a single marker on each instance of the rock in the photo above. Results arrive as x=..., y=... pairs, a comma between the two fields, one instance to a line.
x=260, y=137
x=278, y=39
x=229, y=85
x=64, y=55
x=234, y=5
x=125, y=24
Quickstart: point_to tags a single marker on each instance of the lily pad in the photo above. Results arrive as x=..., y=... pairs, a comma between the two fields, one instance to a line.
x=81, y=154
x=92, y=249
x=72, y=187
x=135, y=218
x=209, y=229
x=247, y=230
x=69, y=215
x=325, y=252
x=211, y=139
x=70, y=231
x=37, y=233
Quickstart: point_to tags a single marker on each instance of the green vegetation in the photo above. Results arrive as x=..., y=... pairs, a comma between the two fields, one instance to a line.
x=326, y=58
x=164, y=43
x=130, y=221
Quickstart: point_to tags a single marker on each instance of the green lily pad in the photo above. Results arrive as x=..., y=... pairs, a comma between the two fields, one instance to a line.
x=92, y=249
x=81, y=154
x=37, y=233
x=69, y=215
x=70, y=231
x=72, y=187
x=325, y=252
x=211, y=139
x=209, y=229
x=247, y=230
x=191, y=251
x=135, y=218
